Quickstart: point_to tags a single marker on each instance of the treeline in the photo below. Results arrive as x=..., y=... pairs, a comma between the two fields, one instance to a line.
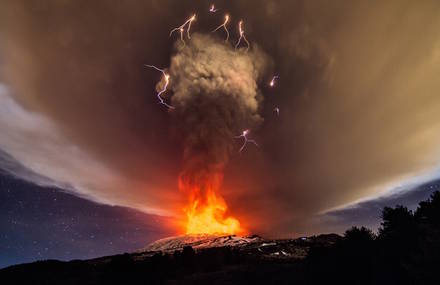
x=406, y=250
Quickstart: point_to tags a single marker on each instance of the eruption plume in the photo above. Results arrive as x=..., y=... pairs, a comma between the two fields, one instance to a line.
x=215, y=94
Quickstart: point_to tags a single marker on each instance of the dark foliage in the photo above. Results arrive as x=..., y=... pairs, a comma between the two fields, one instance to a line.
x=405, y=251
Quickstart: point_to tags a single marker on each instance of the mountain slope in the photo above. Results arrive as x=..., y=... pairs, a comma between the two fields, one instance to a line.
x=189, y=258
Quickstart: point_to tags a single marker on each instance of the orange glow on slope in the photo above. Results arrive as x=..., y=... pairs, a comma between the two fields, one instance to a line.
x=206, y=209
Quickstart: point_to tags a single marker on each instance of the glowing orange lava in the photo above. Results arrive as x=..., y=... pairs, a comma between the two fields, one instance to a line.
x=206, y=210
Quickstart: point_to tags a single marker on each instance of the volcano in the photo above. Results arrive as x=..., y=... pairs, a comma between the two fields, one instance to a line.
x=186, y=259
x=254, y=245
x=201, y=241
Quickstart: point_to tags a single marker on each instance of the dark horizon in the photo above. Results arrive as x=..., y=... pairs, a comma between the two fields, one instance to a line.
x=59, y=226
x=405, y=250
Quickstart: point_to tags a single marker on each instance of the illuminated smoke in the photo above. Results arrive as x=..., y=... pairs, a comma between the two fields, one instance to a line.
x=215, y=94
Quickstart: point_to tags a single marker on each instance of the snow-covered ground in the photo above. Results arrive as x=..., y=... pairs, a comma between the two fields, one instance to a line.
x=199, y=242
x=249, y=245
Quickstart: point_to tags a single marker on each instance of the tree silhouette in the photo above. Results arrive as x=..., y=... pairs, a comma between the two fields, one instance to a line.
x=429, y=211
x=398, y=224
x=359, y=235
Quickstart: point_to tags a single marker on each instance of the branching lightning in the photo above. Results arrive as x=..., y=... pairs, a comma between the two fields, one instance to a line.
x=189, y=25
x=244, y=135
x=242, y=36
x=224, y=26
x=182, y=27
x=167, y=80
x=272, y=82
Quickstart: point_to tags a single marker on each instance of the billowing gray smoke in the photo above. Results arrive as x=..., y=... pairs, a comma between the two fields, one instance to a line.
x=216, y=96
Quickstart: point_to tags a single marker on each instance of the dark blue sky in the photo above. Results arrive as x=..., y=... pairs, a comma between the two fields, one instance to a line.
x=43, y=223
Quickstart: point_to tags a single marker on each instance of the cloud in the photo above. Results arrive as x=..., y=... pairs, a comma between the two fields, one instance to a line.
x=33, y=149
x=357, y=95
x=368, y=213
x=216, y=96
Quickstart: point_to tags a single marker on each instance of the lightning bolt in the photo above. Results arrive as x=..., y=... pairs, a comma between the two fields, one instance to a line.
x=244, y=135
x=212, y=9
x=181, y=36
x=224, y=26
x=189, y=25
x=242, y=36
x=272, y=82
x=188, y=22
x=167, y=80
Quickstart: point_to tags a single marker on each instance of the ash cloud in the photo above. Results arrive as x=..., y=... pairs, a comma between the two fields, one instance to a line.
x=216, y=96
x=358, y=98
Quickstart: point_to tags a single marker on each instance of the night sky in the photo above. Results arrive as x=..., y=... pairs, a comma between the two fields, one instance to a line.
x=91, y=161
x=45, y=223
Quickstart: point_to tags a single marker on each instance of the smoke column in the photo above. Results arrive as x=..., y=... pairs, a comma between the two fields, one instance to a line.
x=216, y=96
